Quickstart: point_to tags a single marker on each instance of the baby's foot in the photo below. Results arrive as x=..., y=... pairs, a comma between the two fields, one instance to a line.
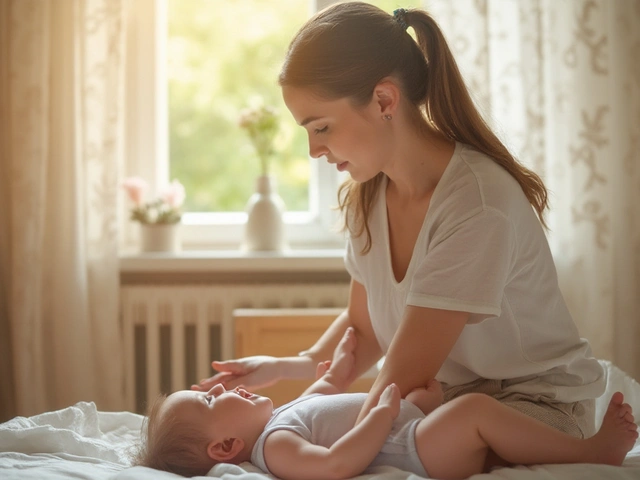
x=342, y=368
x=617, y=435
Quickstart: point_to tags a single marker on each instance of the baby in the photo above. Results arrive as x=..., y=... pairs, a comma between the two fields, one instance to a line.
x=314, y=437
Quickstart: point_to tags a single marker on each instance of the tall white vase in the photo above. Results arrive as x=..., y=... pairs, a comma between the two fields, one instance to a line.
x=264, y=230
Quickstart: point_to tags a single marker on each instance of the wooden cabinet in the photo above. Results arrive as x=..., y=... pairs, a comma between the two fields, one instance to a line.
x=284, y=332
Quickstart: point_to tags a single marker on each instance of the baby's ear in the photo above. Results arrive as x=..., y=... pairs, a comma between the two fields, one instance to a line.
x=226, y=450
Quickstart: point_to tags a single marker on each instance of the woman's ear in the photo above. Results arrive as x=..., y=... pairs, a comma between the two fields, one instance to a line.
x=386, y=96
x=226, y=450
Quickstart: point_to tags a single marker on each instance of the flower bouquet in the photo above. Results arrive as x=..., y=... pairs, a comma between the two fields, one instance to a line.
x=165, y=209
x=160, y=217
x=261, y=123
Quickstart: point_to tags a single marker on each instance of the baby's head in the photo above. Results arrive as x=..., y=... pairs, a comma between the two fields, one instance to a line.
x=188, y=432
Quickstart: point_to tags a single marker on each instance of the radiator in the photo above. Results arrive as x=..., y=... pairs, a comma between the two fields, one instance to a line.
x=172, y=333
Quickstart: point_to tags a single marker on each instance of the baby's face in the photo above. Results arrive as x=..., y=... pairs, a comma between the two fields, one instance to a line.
x=235, y=412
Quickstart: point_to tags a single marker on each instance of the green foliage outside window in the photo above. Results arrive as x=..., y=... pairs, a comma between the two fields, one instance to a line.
x=224, y=56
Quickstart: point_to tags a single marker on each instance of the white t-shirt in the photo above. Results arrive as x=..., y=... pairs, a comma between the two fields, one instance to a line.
x=482, y=250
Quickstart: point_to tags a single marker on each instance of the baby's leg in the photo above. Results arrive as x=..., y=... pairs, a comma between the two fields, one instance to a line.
x=454, y=440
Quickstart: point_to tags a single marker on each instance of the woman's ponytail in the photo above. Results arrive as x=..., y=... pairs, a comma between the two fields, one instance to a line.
x=450, y=109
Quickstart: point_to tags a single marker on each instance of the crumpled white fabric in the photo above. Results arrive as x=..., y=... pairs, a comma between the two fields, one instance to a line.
x=79, y=431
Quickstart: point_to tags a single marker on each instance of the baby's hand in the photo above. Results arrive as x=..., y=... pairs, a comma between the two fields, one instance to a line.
x=427, y=399
x=341, y=370
x=390, y=398
x=322, y=368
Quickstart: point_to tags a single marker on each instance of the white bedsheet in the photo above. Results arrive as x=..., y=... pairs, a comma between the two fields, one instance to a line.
x=83, y=443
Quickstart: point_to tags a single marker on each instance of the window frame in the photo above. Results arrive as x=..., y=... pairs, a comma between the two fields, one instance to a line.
x=148, y=157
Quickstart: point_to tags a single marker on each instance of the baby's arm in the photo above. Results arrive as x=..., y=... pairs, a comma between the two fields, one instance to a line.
x=289, y=456
x=427, y=399
x=335, y=376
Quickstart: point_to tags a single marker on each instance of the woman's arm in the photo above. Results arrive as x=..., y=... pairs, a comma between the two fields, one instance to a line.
x=289, y=456
x=418, y=349
x=262, y=371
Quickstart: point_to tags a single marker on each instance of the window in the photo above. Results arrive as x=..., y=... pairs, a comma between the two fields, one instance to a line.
x=195, y=64
x=220, y=61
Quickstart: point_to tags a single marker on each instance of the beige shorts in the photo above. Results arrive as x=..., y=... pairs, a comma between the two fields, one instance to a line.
x=577, y=419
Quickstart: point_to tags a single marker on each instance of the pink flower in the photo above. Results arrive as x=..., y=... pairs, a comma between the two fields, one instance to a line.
x=136, y=188
x=173, y=194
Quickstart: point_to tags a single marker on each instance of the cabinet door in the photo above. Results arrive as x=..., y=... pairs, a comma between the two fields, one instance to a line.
x=282, y=333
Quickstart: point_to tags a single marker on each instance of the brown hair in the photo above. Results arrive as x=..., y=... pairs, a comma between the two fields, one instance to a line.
x=172, y=445
x=345, y=50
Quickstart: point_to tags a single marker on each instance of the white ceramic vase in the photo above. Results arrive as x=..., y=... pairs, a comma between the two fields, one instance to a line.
x=160, y=237
x=264, y=230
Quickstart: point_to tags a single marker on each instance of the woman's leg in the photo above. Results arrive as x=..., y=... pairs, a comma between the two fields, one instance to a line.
x=454, y=440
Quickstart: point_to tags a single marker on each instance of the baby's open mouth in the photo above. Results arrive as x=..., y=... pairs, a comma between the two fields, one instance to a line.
x=243, y=393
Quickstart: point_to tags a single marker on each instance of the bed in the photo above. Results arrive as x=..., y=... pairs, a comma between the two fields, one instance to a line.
x=84, y=443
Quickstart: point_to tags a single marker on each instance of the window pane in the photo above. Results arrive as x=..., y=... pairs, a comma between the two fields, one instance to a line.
x=224, y=56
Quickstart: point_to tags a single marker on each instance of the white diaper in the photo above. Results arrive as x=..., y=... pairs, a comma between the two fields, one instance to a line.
x=400, y=450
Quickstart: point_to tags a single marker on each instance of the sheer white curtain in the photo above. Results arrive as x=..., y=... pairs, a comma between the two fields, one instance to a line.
x=61, y=90
x=560, y=80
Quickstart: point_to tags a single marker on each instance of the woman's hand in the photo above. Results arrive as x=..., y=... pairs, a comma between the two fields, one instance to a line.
x=251, y=373
x=427, y=398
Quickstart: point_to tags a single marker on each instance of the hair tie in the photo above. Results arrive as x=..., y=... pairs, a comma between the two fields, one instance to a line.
x=400, y=16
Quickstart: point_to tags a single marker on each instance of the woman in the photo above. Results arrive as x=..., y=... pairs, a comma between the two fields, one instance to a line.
x=452, y=276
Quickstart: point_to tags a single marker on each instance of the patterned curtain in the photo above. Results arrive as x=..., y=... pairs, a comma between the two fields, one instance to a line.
x=61, y=91
x=560, y=82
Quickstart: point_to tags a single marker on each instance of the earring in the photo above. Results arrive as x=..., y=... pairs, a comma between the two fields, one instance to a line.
x=387, y=116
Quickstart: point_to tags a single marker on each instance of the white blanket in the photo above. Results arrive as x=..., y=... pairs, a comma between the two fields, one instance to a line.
x=81, y=442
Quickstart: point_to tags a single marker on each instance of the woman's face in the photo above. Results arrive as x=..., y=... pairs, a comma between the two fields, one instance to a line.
x=356, y=140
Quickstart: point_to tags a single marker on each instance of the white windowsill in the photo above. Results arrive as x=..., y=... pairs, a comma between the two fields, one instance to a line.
x=237, y=261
